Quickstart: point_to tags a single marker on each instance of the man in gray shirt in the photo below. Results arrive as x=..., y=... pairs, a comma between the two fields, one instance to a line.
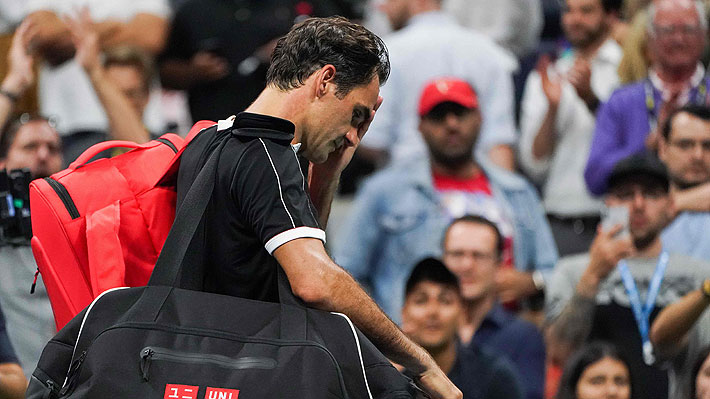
x=614, y=292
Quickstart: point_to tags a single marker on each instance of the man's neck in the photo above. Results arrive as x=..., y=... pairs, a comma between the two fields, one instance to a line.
x=590, y=51
x=466, y=170
x=676, y=77
x=475, y=312
x=445, y=357
x=652, y=250
x=281, y=104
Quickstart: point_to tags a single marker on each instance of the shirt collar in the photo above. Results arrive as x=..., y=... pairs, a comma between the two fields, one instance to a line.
x=258, y=125
x=695, y=81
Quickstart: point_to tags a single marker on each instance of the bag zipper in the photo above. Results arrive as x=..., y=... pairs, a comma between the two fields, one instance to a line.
x=205, y=333
x=150, y=354
x=64, y=196
x=168, y=143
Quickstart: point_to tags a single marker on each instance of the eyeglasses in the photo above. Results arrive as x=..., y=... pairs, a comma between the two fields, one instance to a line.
x=668, y=30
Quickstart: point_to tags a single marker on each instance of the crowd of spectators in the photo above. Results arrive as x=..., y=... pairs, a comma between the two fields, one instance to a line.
x=530, y=203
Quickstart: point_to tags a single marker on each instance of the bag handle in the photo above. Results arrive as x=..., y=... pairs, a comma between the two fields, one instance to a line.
x=98, y=148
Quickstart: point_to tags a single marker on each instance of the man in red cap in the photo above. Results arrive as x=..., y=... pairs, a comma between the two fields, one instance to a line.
x=400, y=214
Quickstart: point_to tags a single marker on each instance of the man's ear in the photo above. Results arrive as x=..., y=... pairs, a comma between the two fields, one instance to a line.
x=662, y=148
x=325, y=80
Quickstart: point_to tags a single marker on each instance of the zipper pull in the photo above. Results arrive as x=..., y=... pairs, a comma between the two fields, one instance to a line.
x=146, y=355
x=34, y=283
x=73, y=375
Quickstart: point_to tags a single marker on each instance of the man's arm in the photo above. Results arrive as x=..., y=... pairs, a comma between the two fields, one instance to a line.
x=695, y=199
x=12, y=381
x=124, y=122
x=324, y=285
x=572, y=327
x=669, y=331
x=54, y=40
x=20, y=75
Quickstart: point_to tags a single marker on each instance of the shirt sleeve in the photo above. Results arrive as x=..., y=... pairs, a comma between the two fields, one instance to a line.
x=533, y=110
x=7, y=354
x=270, y=191
x=561, y=286
x=607, y=148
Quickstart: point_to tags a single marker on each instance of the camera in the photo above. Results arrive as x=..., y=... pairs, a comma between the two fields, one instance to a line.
x=15, y=223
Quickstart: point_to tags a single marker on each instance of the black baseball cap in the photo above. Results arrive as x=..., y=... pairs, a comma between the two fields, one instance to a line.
x=643, y=164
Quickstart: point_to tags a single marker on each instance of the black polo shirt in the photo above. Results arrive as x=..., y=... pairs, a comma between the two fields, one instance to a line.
x=259, y=202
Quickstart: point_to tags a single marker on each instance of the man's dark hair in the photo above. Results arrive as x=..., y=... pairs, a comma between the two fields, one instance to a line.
x=480, y=220
x=698, y=111
x=12, y=127
x=612, y=6
x=586, y=356
x=357, y=54
x=609, y=6
x=433, y=270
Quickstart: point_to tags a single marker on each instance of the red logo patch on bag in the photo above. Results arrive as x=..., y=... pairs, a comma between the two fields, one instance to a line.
x=221, y=393
x=174, y=391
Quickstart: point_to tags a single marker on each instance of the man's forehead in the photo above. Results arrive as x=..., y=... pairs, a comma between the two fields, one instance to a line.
x=37, y=130
x=685, y=124
x=672, y=8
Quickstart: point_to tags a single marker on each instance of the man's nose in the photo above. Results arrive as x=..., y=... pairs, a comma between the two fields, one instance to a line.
x=352, y=138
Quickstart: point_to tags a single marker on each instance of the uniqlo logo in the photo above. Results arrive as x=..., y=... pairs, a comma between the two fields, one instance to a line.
x=174, y=391
x=221, y=393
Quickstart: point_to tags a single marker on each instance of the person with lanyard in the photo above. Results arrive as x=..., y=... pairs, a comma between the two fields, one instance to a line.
x=614, y=292
x=630, y=121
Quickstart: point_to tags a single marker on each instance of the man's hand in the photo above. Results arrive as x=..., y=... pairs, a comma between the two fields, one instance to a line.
x=20, y=75
x=580, y=77
x=208, y=67
x=341, y=157
x=513, y=285
x=552, y=87
x=666, y=109
x=437, y=386
x=86, y=40
x=606, y=251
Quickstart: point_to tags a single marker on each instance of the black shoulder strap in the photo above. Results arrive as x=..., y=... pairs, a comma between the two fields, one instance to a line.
x=188, y=220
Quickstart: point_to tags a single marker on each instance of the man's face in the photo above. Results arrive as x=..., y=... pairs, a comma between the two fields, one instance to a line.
x=431, y=314
x=648, y=205
x=450, y=132
x=584, y=22
x=686, y=153
x=334, y=122
x=470, y=252
x=37, y=146
x=130, y=82
x=678, y=38
x=397, y=12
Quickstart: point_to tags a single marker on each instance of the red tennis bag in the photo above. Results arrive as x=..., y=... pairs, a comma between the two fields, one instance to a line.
x=102, y=224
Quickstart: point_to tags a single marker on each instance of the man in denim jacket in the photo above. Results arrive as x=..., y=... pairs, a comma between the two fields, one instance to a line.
x=400, y=214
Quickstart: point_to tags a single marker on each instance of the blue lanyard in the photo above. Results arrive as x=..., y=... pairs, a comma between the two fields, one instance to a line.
x=642, y=314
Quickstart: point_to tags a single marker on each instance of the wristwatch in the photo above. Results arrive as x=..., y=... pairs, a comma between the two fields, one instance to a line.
x=705, y=288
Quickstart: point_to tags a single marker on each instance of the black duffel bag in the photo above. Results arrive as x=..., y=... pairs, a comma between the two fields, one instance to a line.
x=163, y=341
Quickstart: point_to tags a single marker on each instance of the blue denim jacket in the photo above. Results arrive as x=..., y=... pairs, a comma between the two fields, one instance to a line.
x=396, y=220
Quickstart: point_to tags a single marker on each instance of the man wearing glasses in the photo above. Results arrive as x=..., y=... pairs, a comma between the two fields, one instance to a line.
x=615, y=291
x=632, y=118
x=685, y=149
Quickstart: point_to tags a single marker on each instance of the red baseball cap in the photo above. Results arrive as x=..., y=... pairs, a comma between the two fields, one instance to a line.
x=447, y=90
